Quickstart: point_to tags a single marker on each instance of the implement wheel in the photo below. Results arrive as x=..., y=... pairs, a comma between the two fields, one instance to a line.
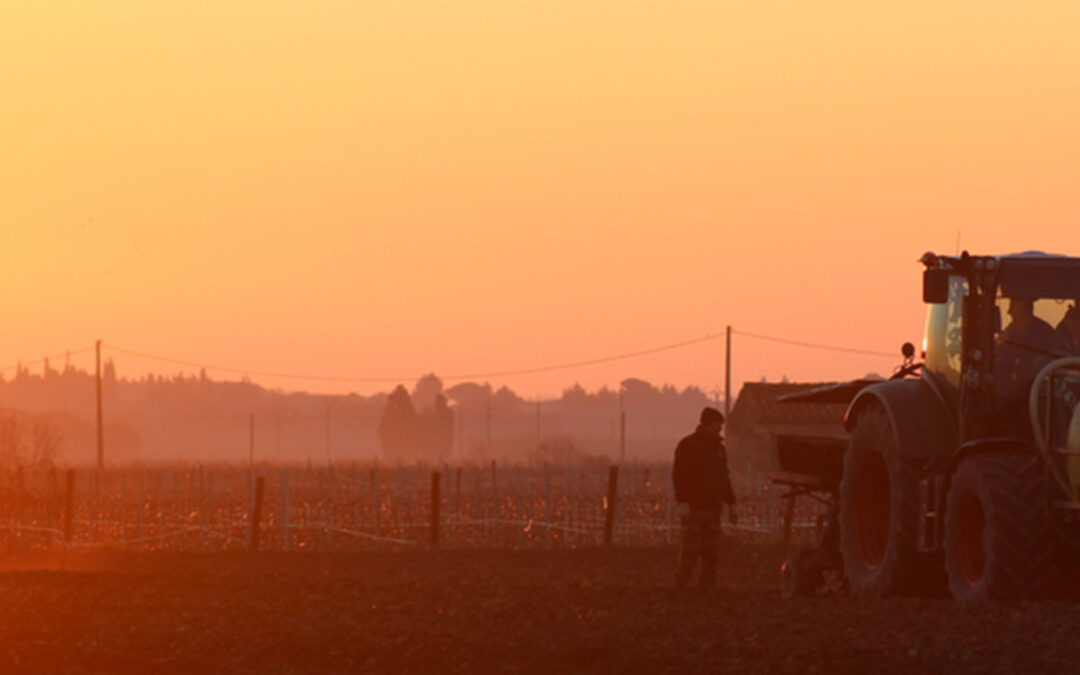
x=800, y=576
x=879, y=502
x=999, y=538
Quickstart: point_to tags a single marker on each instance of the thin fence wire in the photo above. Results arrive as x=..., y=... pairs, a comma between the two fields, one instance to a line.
x=356, y=506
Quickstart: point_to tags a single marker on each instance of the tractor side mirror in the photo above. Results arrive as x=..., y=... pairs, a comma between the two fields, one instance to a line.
x=935, y=286
x=907, y=350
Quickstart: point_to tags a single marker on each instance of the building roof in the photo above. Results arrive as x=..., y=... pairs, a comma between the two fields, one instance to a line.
x=757, y=406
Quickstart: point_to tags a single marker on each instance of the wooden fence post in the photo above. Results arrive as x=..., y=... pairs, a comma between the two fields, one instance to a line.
x=612, y=493
x=493, y=520
x=436, y=480
x=200, y=496
x=376, y=502
x=161, y=503
x=69, y=507
x=457, y=494
x=256, y=512
x=286, y=509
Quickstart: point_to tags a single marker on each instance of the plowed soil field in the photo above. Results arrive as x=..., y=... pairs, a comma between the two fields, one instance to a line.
x=592, y=610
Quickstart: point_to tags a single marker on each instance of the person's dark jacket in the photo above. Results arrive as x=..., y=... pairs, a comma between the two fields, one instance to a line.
x=700, y=473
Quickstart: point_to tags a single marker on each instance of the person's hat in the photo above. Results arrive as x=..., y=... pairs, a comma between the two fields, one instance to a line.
x=712, y=416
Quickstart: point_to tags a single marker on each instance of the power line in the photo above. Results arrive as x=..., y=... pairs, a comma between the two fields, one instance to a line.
x=589, y=362
x=813, y=345
x=457, y=377
x=491, y=374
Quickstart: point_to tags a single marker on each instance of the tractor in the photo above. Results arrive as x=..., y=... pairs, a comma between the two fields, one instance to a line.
x=960, y=474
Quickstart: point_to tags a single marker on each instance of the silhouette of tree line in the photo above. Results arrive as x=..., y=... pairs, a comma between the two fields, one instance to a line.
x=168, y=417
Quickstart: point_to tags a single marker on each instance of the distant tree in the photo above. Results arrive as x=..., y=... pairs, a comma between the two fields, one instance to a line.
x=427, y=388
x=12, y=444
x=505, y=399
x=398, y=426
x=469, y=394
x=639, y=392
x=44, y=446
x=576, y=396
x=440, y=425
x=27, y=441
x=606, y=397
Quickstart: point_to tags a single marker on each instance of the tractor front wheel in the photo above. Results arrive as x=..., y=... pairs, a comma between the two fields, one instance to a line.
x=879, y=503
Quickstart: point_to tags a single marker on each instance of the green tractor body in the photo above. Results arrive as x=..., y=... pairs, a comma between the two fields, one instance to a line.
x=962, y=472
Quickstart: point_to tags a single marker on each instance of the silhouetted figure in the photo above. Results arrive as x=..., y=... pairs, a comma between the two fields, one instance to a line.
x=1027, y=344
x=1026, y=329
x=702, y=487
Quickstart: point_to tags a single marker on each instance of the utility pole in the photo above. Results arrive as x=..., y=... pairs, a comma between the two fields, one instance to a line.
x=487, y=428
x=328, y=432
x=251, y=457
x=727, y=377
x=100, y=415
x=461, y=431
x=622, y=431
x=278, y=417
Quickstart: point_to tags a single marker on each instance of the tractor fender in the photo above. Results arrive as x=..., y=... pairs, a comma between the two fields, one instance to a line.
x=919, y=419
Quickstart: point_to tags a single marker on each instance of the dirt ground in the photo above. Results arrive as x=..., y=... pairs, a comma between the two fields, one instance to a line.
x=594, y=610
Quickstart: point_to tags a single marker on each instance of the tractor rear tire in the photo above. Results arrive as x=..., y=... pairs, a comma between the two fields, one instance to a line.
x=999, y=538
x=879, y=504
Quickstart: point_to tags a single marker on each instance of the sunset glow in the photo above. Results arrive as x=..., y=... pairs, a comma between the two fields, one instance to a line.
x=437, y=336
x=383, y=189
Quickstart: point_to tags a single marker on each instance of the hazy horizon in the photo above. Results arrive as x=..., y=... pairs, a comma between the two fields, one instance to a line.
x=50, y=415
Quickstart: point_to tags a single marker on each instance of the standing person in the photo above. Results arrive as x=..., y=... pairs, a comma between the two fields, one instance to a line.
x=702, y=487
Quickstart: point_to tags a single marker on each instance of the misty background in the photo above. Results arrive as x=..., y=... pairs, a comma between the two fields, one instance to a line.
x=49, y=416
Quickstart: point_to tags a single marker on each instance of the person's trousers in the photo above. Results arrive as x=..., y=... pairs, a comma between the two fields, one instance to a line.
x=699, y=537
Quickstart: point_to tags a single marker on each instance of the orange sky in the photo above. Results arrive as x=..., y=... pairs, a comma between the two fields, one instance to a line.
x=386, y=188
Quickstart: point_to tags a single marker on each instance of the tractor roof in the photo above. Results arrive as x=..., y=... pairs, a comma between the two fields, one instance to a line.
x=1028, y=274
x=1032, y=255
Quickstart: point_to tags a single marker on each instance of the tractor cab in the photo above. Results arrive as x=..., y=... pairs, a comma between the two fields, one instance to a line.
x=993, y=322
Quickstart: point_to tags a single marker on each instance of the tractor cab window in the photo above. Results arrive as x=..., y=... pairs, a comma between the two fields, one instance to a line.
x=1047, y=325
x=943, y=343
x=1030, y=332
